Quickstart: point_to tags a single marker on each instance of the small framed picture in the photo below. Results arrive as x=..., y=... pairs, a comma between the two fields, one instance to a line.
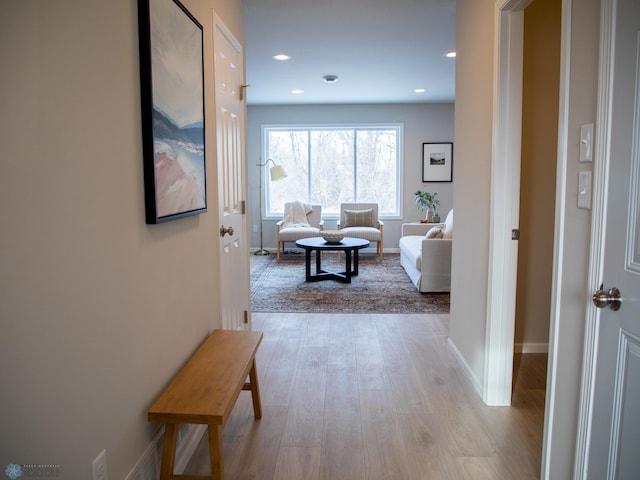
x=437, y=162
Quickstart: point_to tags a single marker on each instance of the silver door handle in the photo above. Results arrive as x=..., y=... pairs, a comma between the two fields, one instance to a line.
x=612, y=298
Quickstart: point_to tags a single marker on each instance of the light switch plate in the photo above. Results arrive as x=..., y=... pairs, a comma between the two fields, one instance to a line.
x=586, y=143
x=584, y=190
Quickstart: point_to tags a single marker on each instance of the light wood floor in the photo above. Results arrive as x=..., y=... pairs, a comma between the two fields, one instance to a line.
x=358, y=397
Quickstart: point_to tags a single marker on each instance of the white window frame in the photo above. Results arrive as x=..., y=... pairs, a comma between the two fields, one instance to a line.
x=399, y=127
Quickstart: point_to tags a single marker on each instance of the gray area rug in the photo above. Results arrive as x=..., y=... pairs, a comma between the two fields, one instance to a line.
x=380, y=287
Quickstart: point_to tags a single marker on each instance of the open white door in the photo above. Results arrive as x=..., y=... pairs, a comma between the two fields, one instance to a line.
x=230, y=131
x=614, y=413
x=505, y=201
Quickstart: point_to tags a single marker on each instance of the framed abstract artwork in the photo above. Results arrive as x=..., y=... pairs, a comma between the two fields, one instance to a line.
x=173, y=123
x=437, y=162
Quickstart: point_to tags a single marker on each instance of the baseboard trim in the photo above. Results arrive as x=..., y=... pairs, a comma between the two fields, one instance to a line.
x=531, y=347
x=188, y=444
x=465, y=367
x=148, y=465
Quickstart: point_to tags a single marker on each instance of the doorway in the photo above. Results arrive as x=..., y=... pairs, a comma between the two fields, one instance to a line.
x=540, y=96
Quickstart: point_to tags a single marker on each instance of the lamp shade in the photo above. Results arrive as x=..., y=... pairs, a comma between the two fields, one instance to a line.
x=277, y=173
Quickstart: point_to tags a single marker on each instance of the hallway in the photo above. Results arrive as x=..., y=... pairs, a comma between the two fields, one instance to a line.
x=376, y=397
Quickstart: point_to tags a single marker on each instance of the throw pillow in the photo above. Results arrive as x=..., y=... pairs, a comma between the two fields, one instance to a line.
x=434, y=232
x=448, y=226
x=358, y=218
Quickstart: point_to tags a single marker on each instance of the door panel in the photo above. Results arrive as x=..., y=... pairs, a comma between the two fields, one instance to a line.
x=615, y=426
x=625, y=421
x=230, y=125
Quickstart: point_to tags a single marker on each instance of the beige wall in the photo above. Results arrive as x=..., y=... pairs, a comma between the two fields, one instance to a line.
x=541, y=83
x=472, y=171
x=97, y=309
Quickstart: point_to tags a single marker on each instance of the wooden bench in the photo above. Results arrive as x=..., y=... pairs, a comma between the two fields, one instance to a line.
x=205, y=391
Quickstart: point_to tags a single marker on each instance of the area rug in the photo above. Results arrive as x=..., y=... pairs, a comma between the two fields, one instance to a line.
x=380, y=287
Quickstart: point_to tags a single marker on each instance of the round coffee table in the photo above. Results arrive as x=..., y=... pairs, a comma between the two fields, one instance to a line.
x=318, y=244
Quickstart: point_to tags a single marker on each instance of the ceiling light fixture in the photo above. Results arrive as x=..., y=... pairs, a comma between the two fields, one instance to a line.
x=450, y=55
x=281, y=57
x=297, y=91
x=330, y=78
x=420, y=90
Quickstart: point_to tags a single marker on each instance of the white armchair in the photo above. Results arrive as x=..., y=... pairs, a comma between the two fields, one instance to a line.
x=360, y=220
x=293, y=233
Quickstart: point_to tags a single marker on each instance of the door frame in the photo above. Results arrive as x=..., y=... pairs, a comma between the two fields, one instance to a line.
x=598, y=222
x=505, y=200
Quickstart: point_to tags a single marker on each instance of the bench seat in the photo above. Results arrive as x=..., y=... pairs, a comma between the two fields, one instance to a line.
x=205, y=391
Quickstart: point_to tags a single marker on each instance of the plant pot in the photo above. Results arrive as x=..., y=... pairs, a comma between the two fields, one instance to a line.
x=436, y=218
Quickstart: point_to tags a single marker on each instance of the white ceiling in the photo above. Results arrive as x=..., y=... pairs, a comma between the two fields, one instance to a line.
x=381, y=50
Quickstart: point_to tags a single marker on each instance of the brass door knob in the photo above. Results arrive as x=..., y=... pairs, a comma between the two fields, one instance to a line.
x=224, y=231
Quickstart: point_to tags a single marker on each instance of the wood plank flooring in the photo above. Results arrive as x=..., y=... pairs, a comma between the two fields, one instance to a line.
x=358, y=397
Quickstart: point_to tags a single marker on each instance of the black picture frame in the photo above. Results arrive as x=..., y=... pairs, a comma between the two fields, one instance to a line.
x=437, y=162
x=172, y=101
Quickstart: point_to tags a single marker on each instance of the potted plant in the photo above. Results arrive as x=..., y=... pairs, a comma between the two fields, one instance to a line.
x=427, y=200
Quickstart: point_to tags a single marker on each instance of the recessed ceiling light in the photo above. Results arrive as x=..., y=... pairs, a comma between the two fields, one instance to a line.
x=450, y=55
x=281, y=56
x=297, y=91
x=420, y=90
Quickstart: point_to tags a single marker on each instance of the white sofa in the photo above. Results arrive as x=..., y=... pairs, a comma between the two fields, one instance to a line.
x=427, y=261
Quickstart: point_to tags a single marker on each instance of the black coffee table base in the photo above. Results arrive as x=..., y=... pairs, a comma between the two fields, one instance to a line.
x=349, y=246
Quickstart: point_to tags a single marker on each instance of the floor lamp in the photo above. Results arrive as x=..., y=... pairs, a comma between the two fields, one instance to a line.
x=277, y=172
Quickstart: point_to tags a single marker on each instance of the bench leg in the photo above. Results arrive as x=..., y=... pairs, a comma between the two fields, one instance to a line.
x=255, y=391
x=168, y=451
x=215, y=451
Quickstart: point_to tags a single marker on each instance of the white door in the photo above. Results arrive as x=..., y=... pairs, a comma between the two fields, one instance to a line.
x=230, y=127
x=614, y=451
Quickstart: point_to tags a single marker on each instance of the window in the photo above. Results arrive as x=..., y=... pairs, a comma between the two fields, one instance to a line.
x=329, y=165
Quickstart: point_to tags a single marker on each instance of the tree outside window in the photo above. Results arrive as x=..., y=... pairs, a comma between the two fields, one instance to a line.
x=330, y=165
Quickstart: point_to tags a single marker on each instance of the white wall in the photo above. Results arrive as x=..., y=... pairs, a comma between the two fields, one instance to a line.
x=97, y=309
x=422, y=123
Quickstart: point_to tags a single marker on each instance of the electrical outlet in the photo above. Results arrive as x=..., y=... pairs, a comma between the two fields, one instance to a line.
x=99, y=466
x=255, y=228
